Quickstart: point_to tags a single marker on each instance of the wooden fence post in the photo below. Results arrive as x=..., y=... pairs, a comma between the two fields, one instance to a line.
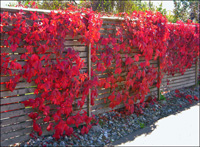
x=196, y=72
x=196, y=64
x=158, y=80
x=89, y=76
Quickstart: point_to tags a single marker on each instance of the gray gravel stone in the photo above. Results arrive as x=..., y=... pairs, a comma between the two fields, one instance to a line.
x=62, y=143
x=96, y=128
x=50, y=138
x=49, y=145
x=164, y=102
x=55, y=144
x=155, y=117
x=169, y=110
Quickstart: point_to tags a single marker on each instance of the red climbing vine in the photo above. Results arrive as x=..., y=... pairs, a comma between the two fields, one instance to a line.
x=57, y=71
x=124, y=58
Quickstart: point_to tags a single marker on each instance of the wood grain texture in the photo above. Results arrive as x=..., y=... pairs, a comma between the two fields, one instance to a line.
x=15, y=113
x=15, y=99
x=89, y=66
x=17, y=92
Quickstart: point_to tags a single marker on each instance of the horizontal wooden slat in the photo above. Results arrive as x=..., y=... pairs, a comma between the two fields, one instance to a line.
x=22, y=63
x=18, y=133
x=99, y=101
x=108, y=26
x=179, y=80
x=67, y=42
x=103, y=95
x=102, y=107
x=95, y=112
x=21, y=125
x=112, y=21
x=107, y=31
x=123, y=73
x=21, y=98
x=153, y=63
x=103, y=91
x=82, y=55
x=18, y=126
x=17, y=92
x=24, y=137
x=100, y=98
x=5, y=36
x=18, y=116
x=17, y=119
x=7, y=78
x=15, y=140
x=19, y=85
x=73, y=43
x=181, y=84
x=179, y=74
x=179, y=77
x=11, y=107
x=152, y=89
x=8, y=50
x=170, y=87
x=17, y=99
x=28, y=122
x=15, y=113
x=23, y=50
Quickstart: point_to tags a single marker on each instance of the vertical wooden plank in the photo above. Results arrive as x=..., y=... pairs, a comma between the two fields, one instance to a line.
x=196, y=65
x=158, y=78
x=89, y=76
x=196, y=72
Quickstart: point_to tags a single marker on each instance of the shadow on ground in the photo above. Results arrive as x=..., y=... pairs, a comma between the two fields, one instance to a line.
x=147, y=130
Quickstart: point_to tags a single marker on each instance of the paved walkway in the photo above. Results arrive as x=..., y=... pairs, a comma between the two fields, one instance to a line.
x=181, y=129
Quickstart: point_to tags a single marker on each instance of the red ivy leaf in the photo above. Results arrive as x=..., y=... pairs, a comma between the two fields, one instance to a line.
x=46, y=119
x=177, y=91
x=136, y=58
x=50, y=127
x=118, y=71
x=33, y=115
x=196, y=98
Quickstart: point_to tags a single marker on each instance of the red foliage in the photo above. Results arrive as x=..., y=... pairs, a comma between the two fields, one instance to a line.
x=60, y=81
x=177, y=91
x=183, y=47
x=196, y=98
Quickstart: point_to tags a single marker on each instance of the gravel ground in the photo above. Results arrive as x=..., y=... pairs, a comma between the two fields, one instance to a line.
x=114, y=125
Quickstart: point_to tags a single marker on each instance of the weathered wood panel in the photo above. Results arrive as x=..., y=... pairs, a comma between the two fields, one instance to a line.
x=170, y=82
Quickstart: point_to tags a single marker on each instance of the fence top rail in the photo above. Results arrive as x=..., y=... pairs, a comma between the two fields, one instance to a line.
x=5, y=8
x=25, y=9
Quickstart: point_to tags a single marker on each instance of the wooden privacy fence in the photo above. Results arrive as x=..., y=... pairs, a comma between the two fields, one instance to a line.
x=15, y=123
